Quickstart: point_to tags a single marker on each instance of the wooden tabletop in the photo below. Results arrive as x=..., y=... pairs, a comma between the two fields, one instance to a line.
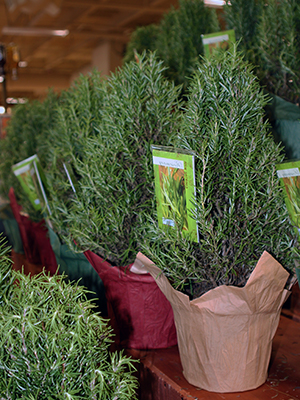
x=160, y=372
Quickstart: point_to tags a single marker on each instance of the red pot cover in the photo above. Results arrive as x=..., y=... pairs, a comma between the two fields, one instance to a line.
x=36, y=243
x=143, y=315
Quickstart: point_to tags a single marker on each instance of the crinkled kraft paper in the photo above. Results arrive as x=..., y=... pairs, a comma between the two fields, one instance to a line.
x=225, y=336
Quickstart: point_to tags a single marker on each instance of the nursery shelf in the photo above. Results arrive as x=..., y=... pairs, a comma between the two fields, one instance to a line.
x=161, y=377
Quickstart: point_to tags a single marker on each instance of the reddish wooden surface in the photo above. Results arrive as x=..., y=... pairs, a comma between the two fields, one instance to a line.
x=20, y=262
x=161, y=378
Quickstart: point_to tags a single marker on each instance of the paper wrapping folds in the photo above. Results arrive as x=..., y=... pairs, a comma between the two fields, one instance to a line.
x=225, y=336
x=140, y=313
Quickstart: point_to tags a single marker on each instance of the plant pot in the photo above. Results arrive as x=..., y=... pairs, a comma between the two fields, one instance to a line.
x=140, y=313
x=35, y=239
x=225, y=336
x=77, y=268
x=284, y=117
x=10, y=227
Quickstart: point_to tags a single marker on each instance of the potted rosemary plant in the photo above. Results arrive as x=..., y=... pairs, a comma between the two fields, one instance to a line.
x=53, y=344
x=176, y=38
x=27, y=129
x=269, y=38
x=26, y=132
x=113, y=191
x=224, y=286
x=36, y=128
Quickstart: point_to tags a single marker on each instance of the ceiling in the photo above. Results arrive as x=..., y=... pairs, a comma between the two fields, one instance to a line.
x=51, y=60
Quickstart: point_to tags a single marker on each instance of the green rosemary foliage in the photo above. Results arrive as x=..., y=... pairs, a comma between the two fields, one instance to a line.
x=78, y=116
x=54, y=346
x=179, y=41
x=269, y=34
x=6, y=279
x=116, y=184
x=278, y=49
x=142, y=39
x=243, y=17
x=177, y=38
x=27, y=131
x=239, y=205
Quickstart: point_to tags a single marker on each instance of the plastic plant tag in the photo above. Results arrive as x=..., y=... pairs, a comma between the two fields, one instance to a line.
x=70, y=175
x=175, y=190
x=289, y=177
x=212, y=41
x=32, y=180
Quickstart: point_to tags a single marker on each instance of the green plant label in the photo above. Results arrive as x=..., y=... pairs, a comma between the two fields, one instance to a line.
x=175, y=189
x=289, y=176
x=213, y=41
x=32, y=179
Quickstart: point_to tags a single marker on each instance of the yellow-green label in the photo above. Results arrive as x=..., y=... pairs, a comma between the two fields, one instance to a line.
x=213, y=41
x=174, y=175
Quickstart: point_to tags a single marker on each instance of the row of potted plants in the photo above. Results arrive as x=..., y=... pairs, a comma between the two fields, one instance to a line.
x=101, y=193
x=239, y=205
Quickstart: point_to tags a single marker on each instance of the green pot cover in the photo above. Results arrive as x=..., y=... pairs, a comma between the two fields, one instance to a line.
x=11, y=228
x=77, y=267
x=285, y=120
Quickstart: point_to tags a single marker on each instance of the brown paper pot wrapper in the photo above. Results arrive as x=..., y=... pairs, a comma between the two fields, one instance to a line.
x=141, y=315
x=225, y=336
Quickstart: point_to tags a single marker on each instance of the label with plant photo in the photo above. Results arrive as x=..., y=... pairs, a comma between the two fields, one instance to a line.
x=175, y=190
x=32, y=180
x=213, y=41
x=289, y=176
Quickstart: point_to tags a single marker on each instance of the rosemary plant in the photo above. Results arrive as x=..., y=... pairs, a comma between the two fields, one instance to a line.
x=179, y=41
x=244, y=18
x=269, y=36
x=142, y=39
x=278, y=49
x=239, y=205
x=78, y=116
x=6, y=278
x=28, y=129
x=176, y=38
x=54, y=346
x=116, y=184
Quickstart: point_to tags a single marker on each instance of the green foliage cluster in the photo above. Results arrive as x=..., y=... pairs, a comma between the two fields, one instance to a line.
x=6, y=278
x=244, y=18
x=54, y=346
x=239, y=206
x=179, y=43
x=102, y=132
x=269, y=33
x=77, y=117
x=27, y=130
x=177, y=38
x=116, y=176
x=143, y=38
